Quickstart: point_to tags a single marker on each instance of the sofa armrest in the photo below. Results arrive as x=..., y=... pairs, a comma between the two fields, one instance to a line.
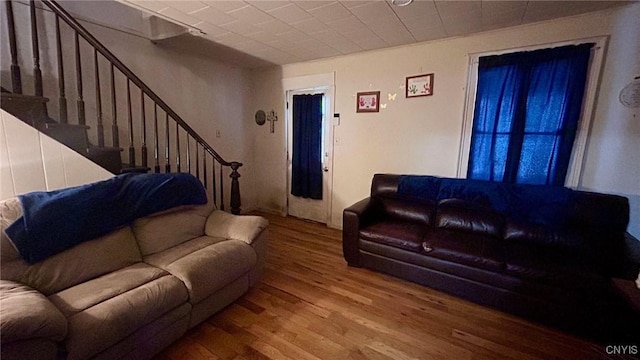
x=353, y=219
x=28, y=314
x=627, y=259
x=238, y=227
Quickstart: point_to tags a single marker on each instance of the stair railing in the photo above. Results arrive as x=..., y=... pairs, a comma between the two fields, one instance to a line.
x=171, y=119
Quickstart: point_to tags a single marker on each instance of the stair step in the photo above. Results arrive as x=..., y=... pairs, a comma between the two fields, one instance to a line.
x=28, y=108
x=107, y=157
x=136, y=169
x=74, y=136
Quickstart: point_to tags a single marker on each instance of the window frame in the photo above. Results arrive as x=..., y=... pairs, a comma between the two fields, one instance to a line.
x=574, y=172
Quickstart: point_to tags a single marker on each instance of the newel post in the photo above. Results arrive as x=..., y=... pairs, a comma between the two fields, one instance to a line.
x=235, y=188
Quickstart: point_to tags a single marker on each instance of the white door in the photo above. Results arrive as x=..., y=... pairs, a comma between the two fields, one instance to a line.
x=298, y=206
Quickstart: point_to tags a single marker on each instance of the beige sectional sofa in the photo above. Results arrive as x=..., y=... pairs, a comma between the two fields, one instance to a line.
x=128, y=294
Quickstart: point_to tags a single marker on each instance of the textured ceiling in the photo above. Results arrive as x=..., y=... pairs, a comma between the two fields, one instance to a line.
x=281, y=32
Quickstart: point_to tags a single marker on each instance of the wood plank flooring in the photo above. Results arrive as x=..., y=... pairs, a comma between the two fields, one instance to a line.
x=310, y=305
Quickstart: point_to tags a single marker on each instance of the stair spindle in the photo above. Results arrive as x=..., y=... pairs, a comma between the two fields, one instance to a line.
x=132, y=150
x=114, y=112
x=156, y=145
x=188, y=154
x=16, y=80
x=177, y=148
x=197, y=160
x=167, y=155
x=80, y=102
x=204, y=167
x=213, y=179
x=62, y=100
x=100, y=126
x=167, y=164
x=221, y=189
x=37, y=73
x=144, y=130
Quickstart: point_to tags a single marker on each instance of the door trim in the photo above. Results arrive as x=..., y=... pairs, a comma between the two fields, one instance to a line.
x=326, y=83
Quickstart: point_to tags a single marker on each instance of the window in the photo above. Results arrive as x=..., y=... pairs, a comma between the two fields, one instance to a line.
x=527, y=111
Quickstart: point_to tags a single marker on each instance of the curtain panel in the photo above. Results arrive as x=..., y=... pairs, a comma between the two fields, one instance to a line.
x=306, y=172
x=527, y=109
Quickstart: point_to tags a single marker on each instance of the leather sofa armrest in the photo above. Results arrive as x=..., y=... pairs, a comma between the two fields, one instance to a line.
x=28, y=314
x=237, y=227
x=353, y=219
x=627, y=259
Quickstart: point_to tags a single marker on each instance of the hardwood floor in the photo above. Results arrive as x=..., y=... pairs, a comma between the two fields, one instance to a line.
x=310, y=305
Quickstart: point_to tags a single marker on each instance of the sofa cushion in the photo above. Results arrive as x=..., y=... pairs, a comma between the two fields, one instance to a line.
x=605, y=212
x=105, y=310
x=90, y=293
x=10, y=210
x=152, y=338
x=161, y=231
x=179, y=251
x=198, y=264
x=400, y=234
x=456, y=214
x=466, y=248
x=551, y=266
x=83, y=262
x=26, y=314
x=538, y=234
x=400, y=209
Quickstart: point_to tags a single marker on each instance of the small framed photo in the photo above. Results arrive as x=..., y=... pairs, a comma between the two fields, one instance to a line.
x=419, y=85
x=368, y=101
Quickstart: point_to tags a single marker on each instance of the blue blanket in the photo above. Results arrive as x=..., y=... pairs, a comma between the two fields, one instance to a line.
x=58, y=220
x=542, y=204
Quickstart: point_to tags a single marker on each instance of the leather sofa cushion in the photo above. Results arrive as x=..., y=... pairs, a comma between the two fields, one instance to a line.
x=421, y=212
x=605, y=213
x=399, y=234
x=197, y=264
x=532, y=233
x=551, y=266
x=466, y=248
x=103, y=311
x=456, y=214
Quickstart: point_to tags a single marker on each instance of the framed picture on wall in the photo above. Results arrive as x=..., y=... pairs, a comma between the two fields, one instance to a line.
x=419, y=85
x=368, y=101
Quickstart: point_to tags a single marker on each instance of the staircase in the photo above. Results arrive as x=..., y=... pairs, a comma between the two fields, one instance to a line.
x=155, y=137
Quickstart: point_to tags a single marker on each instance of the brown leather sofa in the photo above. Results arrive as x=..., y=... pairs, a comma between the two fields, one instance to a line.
x=541, y=252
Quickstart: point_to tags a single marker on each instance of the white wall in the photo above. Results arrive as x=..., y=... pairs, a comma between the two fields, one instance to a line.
x=423, y=135
x=207, y=94
x=31, y=161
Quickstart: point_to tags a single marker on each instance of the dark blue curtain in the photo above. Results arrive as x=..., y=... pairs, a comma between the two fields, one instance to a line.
x=526, y=115
x=306, y=174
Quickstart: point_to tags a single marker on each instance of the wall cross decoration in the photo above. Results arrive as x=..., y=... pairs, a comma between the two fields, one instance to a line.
x=272, y=117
